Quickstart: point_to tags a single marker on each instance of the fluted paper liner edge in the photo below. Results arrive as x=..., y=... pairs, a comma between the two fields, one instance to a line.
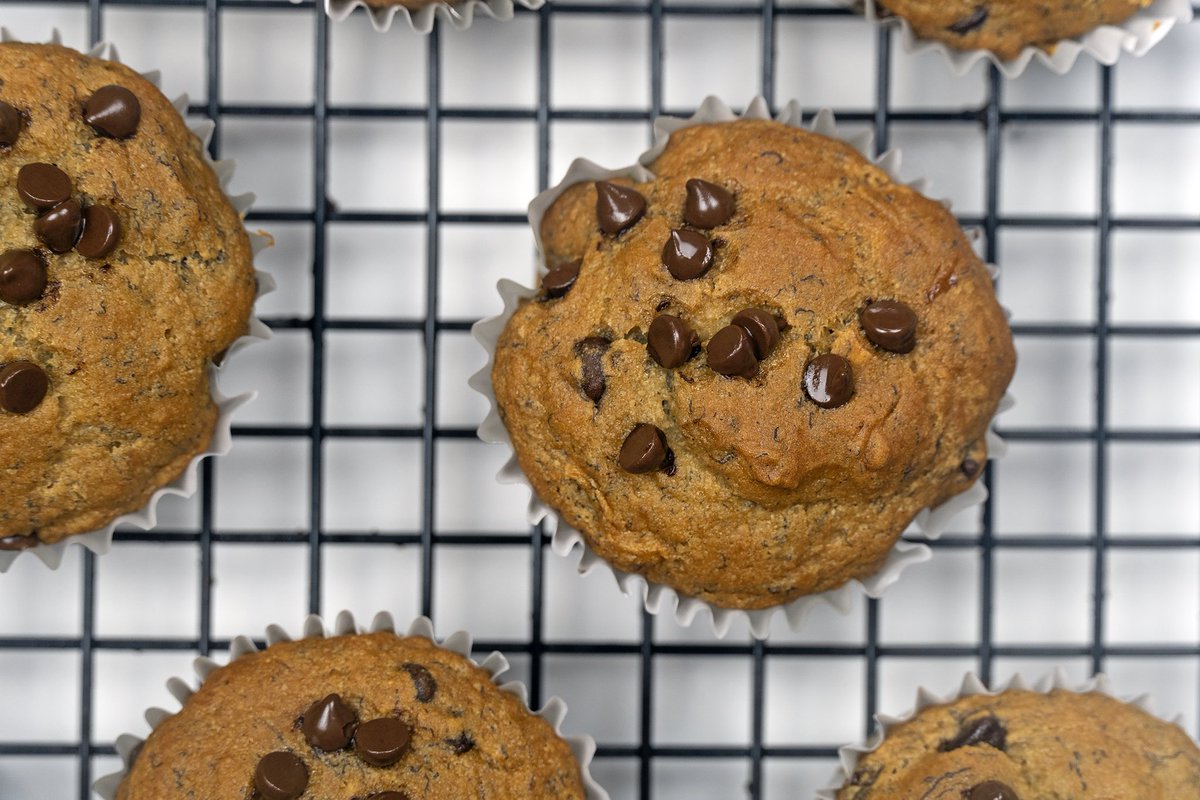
x=458, y=14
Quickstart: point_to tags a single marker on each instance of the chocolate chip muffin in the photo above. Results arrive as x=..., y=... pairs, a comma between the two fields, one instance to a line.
x=375, y=716
x=745, y=377
x=124, y=271
x=1006, y=27
x=1023, y=745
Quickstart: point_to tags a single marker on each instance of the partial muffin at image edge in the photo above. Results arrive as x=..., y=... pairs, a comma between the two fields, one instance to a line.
x=125, y=272
x=745, y=377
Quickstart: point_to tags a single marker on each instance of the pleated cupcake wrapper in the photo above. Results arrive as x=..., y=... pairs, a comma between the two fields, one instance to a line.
x=495, y=665
x=849, y=755
x=99, y=541
x=658, y=598
x=458, y=14
x=1136, y=35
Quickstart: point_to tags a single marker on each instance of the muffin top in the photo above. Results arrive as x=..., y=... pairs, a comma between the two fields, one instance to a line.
x=1023, y=745
x=124, y=271
x=369, y=716
x=745, y=377
x=1006, y=27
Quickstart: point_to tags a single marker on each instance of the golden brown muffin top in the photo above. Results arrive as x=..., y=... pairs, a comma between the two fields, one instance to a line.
x=406, y=717
x=122, y=323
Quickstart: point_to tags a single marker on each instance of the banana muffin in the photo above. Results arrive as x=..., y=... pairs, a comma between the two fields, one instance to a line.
x=1023, y=745
x=124, y=271
x=373, y=716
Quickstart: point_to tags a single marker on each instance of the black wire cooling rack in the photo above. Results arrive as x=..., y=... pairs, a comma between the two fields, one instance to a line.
x=992, y=118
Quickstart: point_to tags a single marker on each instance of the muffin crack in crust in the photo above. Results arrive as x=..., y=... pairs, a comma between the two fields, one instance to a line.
x=745, y=377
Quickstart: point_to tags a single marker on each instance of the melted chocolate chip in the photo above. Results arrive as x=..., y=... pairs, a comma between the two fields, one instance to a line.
x=22, y=277
x=10, y=125
x=382, y=742
x=762, y=327
x=280, y=776
x=424, y=683
x=113, y=111
x=19, y=542
x=828, y=381
x=591, y=355
x=329, y=723
x=463, y=743
x=388, y=796
x=101, y=232
x=982, y=730
x=731, y=352
x=42, y=186
x=59, y=228
x=890, y=325
x=671, y=341
x=644, y=450
x=617, y=207
x=969, y=23
x=559, y=280
x=687, y=254
x=708, y=205
x=969, y=467
x=992, y=790
x=22, y=387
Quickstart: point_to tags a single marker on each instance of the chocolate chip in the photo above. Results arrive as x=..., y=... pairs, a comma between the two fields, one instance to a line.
x=969, y=23
x=983, y=730
x=463, y=743
x=329, y=724
x=388, y=796
x=708, y=205
x=644, y=450
x=762, y=327
x=559, y=280
x=423, y=682
x=42, y=186
x=687, y=254
x=22, y=277
x=101, y=232
x=10, y=125
x=19, y=542
x=969, y=467
x=591, y=354
x=617, y=207
x=828, y=381
x=22, y=387
x=731, y=352
x=113, y=111
x=890, y=325
x=382, y=742
x=280, y=776
x=992, y=790
x=671, y=341
x=59, y=228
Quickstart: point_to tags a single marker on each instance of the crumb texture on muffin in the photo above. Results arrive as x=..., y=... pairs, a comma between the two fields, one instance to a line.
x=125, y=271
x=353, y=717
x=1023, y=745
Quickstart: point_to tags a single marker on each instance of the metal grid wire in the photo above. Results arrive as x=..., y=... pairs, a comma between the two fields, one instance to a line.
x=992, y=118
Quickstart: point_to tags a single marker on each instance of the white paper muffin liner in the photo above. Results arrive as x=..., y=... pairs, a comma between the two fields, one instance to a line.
x=99, y=541
x=849, y=755
x=1106, y=43
x=458, y=14
x=658, y=598
x=554, y=711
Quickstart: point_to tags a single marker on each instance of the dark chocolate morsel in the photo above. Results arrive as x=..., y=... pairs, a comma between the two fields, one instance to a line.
x=280, y=776
x=329, y=724
x=987, y=730
x=559, y=280
x=101, y=232
x=42, y=186
x=382, y=742
x=113, y=111
x=762, y=327
x=22, y=387
x=617, y=207
x=828, y=381
x=463, y=743
x=10, y=125
x=687, y=254
x=992, y=790
x=644, y=450
x=731, y=352
x=591, y=355
x=970, y=467
x=424, y=683
x=708, y=205
x=19, y=542
x=22, y=277
x=671, y=341
x=970, y=22
x=59, y=228
x=388, y=796
x=890, y=325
